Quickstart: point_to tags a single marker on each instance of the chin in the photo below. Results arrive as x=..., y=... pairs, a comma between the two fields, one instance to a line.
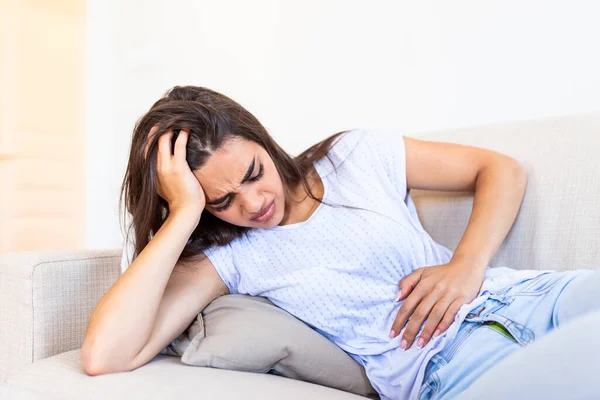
x=279, y=214
x=277, y=221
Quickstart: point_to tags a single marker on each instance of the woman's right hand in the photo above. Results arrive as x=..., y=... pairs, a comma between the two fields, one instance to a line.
x=176, y=183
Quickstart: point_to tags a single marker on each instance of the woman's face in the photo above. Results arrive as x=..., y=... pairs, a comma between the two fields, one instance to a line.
x=240, y=183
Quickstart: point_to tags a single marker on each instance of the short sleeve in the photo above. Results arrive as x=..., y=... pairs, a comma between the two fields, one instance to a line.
x=387, y=146
x=222, y=259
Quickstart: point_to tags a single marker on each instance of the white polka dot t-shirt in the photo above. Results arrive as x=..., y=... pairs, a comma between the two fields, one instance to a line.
x=339, y=270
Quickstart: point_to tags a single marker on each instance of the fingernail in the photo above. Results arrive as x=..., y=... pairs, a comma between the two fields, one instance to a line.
x=399, y=295
x=392, y=334
x=420, y=342
x=403, y=344
x=436, y=333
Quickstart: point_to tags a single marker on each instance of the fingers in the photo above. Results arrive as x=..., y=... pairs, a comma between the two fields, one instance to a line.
x=164, y=147
x=408, y=283
x=163, y=160
x=406, y=310
x=180, y=146
x=153, y=132
x=449, y=316
x=433, y=320
x=416, y=321
x=439, y=314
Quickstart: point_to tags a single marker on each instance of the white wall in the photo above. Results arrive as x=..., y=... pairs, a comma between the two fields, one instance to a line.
x=309, y=69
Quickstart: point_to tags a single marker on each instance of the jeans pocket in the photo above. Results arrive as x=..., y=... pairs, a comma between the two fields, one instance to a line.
x=501, y=329
x=536, y=286
x=490, y=315
x=517, y=331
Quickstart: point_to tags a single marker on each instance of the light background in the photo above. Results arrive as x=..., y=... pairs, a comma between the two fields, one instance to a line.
x=309, y=69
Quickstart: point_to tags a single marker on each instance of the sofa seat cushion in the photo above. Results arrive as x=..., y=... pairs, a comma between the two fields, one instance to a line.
x=62, y=377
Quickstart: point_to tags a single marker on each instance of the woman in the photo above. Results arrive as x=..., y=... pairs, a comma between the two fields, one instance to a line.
x=329, y=236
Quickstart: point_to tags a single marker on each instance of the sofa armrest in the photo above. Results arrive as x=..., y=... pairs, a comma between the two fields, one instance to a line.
x=46, y=299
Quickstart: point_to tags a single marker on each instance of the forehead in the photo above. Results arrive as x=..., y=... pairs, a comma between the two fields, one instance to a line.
x=227, y=166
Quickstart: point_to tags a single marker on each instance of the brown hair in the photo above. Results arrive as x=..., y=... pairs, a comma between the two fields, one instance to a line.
x=212, y=119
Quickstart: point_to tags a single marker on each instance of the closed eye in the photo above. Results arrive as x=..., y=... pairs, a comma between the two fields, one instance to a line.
x=261, y=172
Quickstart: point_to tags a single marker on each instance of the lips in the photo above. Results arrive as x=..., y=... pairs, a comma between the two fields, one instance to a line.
x=262, y=212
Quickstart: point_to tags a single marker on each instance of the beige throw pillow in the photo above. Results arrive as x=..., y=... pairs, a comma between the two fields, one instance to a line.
x=249, y=333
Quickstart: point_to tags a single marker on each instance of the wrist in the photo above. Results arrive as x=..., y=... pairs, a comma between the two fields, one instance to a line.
x=190, y=215
x=468, y=262
x=186, y=208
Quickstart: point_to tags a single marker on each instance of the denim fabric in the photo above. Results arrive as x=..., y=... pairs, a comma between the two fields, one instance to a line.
x=528, y=311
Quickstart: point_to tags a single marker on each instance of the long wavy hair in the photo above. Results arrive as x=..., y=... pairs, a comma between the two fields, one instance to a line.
x=211, y=118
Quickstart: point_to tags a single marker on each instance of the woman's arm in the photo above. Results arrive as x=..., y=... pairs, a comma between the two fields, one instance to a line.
x=124, y=318
x=435, y=294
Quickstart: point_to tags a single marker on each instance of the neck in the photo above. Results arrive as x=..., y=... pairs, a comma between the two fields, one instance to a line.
x=301, y=206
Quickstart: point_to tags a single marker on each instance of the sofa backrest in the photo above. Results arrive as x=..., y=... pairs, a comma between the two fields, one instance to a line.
x=558, y=224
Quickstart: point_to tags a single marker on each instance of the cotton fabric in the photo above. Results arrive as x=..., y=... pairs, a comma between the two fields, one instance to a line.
x=339, y=270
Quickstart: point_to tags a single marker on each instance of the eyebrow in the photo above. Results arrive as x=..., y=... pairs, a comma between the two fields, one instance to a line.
x=244, y=180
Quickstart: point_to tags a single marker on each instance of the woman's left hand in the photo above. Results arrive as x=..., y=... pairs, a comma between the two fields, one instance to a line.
x=434, y=294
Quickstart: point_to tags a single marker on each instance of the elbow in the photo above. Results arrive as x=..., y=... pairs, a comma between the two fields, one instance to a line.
x=520, y=172
x=519, y=177
x=93, y=365
x=88, y=363
x=517, y=167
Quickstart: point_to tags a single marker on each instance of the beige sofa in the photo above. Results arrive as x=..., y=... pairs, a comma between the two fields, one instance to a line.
x=46, y=297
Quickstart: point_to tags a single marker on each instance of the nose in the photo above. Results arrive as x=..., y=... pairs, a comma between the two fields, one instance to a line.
x=252, y=202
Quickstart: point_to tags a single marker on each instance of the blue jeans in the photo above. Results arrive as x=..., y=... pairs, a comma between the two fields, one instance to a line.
x=527, y=311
